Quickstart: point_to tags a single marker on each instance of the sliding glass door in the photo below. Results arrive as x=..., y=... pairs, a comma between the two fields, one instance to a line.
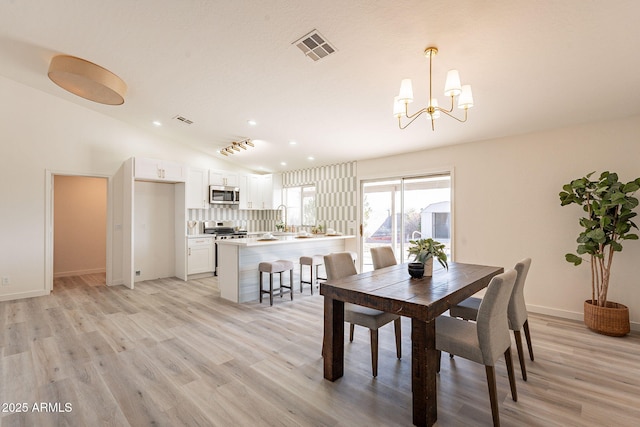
x=395, y=211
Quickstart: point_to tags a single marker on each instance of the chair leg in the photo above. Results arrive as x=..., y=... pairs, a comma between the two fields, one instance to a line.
x=281, y=284
x=493, y=394
x=527, y=335
x=398, y=328
x=438, y=361
x=374, y=352
x=518, y=338
x=301, y=272
x=261, y=287
x=351, y=328
x=512, y=377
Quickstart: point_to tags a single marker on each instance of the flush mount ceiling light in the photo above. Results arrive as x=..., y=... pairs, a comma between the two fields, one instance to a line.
x=452, y=88
x=236, y=146
x=87, y=80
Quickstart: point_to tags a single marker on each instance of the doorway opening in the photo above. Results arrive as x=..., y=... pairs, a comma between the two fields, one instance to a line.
x=77, y=248
x=395, y=211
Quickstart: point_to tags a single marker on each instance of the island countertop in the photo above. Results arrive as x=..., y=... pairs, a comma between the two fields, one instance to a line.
x=279, y=240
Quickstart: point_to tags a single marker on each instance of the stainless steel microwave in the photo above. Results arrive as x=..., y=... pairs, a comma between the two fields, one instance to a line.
x=224, y=195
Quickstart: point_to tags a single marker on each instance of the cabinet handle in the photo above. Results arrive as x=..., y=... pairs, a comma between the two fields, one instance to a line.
x=189, y=251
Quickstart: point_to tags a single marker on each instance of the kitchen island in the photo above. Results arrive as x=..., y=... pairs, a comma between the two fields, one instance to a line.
x=238, y=260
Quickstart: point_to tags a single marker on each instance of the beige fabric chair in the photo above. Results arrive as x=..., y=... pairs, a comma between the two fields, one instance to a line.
x=339, y=265
x=383, y=256
x=484, y=341
x=517, y=312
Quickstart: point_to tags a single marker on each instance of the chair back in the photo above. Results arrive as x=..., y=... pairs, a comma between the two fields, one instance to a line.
x=492, y=323
x=339, y=265
x=517, y=311
x=383, y=256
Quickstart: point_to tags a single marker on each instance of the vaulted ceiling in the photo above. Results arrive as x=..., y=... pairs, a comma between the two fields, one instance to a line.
x=533, y=65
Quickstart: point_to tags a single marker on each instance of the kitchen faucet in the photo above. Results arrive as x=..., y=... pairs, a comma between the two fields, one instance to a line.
x=285, y=215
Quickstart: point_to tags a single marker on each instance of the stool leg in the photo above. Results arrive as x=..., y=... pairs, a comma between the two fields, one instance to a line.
x=291, y=283
x=260, y=273
x=312, y=280
x=301, y=272
x=281, y=284
x=270, y=288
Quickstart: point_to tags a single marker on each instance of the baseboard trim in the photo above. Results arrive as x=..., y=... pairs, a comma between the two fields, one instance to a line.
x=79, y=272
x=22, y=295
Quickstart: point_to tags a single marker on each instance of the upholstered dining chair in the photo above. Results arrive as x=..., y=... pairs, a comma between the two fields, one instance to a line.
x=485, y=340
x=517, y=312
x=339, y=265
x=383, y=256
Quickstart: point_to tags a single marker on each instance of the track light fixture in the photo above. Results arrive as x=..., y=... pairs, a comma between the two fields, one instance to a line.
x=236, y=146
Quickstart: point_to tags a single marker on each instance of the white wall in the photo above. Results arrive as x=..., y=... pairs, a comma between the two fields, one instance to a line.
x=39, y=132
x=506, y=206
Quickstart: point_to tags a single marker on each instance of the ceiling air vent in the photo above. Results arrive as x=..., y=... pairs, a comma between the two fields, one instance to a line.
x=314, y=46
x=183, y=120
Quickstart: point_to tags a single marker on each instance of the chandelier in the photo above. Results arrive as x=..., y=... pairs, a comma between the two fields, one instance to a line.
x=236, y=146
x=452, y=88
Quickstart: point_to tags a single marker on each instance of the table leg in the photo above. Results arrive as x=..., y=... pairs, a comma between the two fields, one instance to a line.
x=423, y=372
x=333, y=344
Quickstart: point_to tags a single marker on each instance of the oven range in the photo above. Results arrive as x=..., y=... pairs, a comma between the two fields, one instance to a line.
x=221, y=230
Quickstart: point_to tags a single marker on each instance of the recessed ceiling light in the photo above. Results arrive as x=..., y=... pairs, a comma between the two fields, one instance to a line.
x=292, y=142
x=283, y=163
x=252, y=122
x=157, y=123
x=311, y=158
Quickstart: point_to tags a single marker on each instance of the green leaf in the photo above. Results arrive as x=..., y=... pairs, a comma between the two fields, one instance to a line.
x=616, y=246
x=630, y=237
x=631, y=187
x=574, y=259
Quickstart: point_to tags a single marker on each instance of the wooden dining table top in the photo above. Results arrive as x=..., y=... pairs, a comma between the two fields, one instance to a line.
x=391, y=289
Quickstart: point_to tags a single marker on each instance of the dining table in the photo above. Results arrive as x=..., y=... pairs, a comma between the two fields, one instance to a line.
x=392, y=289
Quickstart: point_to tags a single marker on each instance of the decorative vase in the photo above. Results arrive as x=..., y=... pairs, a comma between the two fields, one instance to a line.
x=428, y=267
x=416, y=269
x=612, y=320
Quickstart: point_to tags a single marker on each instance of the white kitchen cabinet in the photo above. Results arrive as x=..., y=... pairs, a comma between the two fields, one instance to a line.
x=200, y=255
x=220, y=177
x=260, y=191
x=198, y=188
x=147, y=169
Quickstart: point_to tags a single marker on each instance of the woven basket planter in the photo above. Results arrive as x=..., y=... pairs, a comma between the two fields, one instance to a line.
x=612, y=320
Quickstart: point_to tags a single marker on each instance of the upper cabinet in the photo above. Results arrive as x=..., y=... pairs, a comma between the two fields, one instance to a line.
x=159, y=170
x=219, y=177
x=260, y=191
x=198, y=189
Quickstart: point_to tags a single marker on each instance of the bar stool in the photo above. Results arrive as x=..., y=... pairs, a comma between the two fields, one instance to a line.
x=314, y=263
x=272, y=268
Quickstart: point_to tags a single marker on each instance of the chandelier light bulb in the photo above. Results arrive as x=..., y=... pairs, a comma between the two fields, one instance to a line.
x=452, y=87
x=466, y=97
x=406, y=91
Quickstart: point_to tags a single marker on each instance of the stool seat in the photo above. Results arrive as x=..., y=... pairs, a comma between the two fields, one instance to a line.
x=314, y=262
x=275, y=266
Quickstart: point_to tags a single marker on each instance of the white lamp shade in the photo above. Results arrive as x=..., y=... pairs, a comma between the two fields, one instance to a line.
x=399, y=109
x=466, y=97
x=406, y=91
x=436, y=113
x=452, y=86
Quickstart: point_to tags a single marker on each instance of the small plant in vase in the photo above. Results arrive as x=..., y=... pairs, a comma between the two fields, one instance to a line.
x=424, y=251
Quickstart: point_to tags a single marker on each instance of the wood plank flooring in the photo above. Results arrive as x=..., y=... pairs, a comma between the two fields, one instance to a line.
x=171, y=353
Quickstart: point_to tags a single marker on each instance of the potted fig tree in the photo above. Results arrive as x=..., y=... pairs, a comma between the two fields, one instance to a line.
x=424, y=251
x=608, y=205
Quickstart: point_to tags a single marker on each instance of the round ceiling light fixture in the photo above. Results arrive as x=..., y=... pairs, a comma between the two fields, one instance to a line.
x=87, y=80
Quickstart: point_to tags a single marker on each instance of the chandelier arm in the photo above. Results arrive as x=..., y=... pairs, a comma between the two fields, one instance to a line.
x=454, y=117
x=412, y=117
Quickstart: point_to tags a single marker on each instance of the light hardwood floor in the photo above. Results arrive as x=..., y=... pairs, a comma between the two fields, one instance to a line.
x=171, y=353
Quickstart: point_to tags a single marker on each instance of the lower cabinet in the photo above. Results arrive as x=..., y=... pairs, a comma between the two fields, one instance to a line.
x=200, y=255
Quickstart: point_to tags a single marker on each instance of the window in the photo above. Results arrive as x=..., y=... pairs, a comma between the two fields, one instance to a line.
x=301, y=205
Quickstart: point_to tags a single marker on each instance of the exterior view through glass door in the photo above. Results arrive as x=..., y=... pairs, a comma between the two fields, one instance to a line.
x=395, y=211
